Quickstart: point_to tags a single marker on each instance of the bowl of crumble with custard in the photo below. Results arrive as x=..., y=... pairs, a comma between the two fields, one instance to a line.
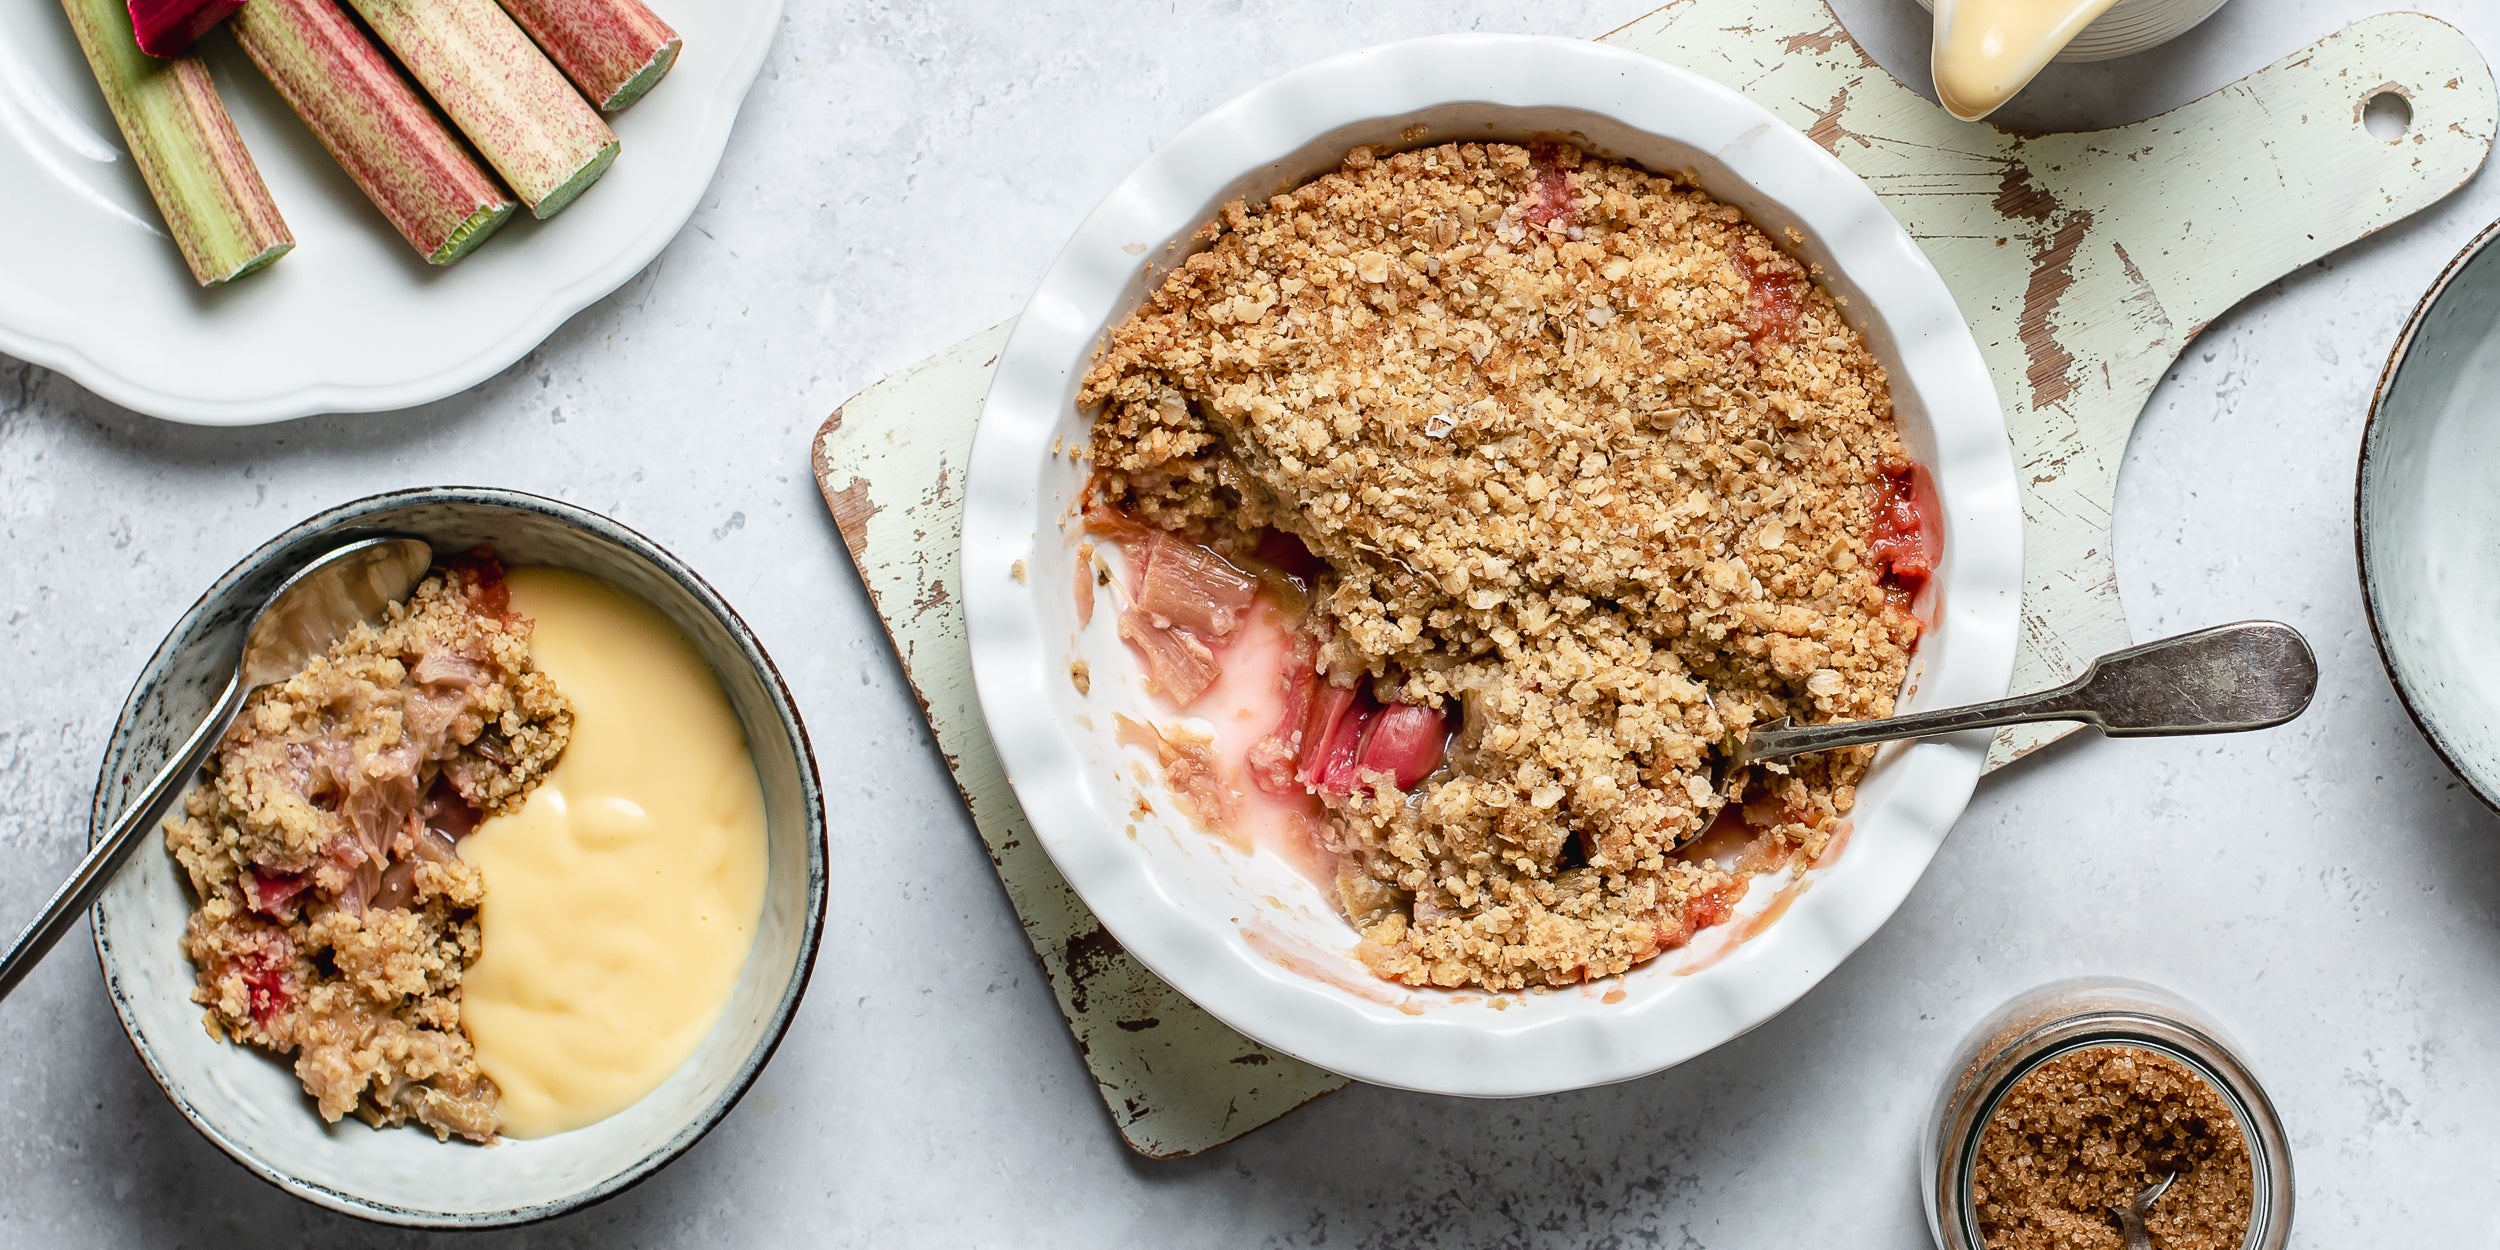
x=1397, y=501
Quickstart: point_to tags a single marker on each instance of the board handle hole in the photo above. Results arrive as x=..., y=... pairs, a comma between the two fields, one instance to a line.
x=2387, y=116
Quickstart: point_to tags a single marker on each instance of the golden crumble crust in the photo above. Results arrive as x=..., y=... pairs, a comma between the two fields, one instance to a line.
x=1570, y=470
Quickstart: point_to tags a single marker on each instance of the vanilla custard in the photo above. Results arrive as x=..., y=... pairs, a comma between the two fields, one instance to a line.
x=623, y=895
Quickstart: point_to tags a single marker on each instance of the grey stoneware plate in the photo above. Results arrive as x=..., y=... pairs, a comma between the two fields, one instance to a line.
x=249, y=1104
x=2428, y=515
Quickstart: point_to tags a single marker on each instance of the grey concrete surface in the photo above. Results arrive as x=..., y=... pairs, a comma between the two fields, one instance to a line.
x=901, y=175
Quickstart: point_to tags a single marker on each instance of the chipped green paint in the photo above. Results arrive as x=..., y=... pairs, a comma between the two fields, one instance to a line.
x=2084, y=263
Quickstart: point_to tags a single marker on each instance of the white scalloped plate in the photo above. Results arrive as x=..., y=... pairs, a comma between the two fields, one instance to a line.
x=1244, y=936
x=352, y=320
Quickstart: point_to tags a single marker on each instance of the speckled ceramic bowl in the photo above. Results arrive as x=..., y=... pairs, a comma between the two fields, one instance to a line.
x=2428, y=515
x=251, y=1105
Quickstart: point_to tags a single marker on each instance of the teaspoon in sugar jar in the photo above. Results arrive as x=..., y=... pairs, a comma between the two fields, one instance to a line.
x=2226, y=679
x=353, y=584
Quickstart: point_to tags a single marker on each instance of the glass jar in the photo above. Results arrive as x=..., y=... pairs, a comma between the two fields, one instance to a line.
x=2066, y=1016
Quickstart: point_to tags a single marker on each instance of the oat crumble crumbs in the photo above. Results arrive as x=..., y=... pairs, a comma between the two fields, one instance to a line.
x=336, y=917
x=2088, y=1131
x=1586, y=459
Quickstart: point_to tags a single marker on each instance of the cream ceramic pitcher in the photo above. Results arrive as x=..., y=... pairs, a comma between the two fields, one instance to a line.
x=1986, y=50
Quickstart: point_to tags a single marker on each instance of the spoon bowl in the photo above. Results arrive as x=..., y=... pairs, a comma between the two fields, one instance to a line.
x=350, y=585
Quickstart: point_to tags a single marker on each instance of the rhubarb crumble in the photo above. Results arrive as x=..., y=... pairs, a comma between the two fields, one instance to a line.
x=1563, y=474
x=335, y=913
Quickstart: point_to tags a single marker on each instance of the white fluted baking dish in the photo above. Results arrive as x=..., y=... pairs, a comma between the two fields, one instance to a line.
x=1245, y=936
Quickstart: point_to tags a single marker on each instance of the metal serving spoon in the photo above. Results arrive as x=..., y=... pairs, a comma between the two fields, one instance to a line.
x=2215, y=681
x=2131, y=1216
x=295, y=624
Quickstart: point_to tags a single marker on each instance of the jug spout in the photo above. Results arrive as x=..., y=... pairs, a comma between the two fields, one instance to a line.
x=1986, y=50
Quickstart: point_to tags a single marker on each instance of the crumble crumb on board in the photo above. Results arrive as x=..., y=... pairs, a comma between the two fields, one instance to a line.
x=1587, y=460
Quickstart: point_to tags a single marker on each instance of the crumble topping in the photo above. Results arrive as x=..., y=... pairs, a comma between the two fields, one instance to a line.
x=2087, y=1131
x=1588, y=465
x=335, y=914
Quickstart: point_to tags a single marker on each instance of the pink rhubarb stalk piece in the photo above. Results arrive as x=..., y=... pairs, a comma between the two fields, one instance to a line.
x=1332, y=737
x=503, y=93
x=168, y=28
x=389, y=140
x=1178, y=665
x=614, y=50
x=1194, y=588
x=1406, y=742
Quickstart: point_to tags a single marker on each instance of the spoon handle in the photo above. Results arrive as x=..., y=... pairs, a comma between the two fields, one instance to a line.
x=110, y=851
x=2221, y=680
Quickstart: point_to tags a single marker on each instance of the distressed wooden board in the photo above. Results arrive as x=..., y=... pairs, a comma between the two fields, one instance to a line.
x=890, y=463
x=2084, y=263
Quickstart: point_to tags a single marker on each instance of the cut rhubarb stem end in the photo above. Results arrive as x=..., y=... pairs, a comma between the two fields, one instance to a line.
x=564, y=193
x=468, y=234
x=614, y=50
x=644, y=79
x=184, y=144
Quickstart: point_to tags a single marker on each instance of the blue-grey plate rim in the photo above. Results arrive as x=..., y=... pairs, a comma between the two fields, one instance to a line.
x=2363, y=481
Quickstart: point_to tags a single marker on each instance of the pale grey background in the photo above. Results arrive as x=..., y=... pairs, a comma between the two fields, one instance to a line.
x=901, y=175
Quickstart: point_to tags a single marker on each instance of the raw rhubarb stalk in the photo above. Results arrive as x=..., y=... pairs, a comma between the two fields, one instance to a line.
x=204, y=183
x=390, y=141
x=167, y=28
x=502, y=92
x=614, y=50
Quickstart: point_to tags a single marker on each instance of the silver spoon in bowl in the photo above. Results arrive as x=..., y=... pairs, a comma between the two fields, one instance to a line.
x=2226, y=679
x=297, y=623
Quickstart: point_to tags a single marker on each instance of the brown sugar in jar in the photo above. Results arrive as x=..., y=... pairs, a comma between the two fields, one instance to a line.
x=2086, y=1131
x=2070, y=1100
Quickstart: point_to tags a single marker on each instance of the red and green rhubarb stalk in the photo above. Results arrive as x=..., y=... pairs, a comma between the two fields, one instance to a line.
x=167, y=28
x=502, y=92
x=390, y=141
x=614, y=50
x=205, y=184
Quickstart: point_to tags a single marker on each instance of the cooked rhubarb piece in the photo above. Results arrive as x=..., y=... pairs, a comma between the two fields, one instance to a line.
x=1332, y=737
x=1194, y=588
x=390, y=141
x=204, y=183
x=1775, y=302
x=614, y=50
x=168, y=28
x=1178, y=665
x=503, y=93
x=1906, y=542
x=1405, y=742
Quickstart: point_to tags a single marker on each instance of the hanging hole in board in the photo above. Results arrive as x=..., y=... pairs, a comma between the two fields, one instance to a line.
x=2387, y=116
